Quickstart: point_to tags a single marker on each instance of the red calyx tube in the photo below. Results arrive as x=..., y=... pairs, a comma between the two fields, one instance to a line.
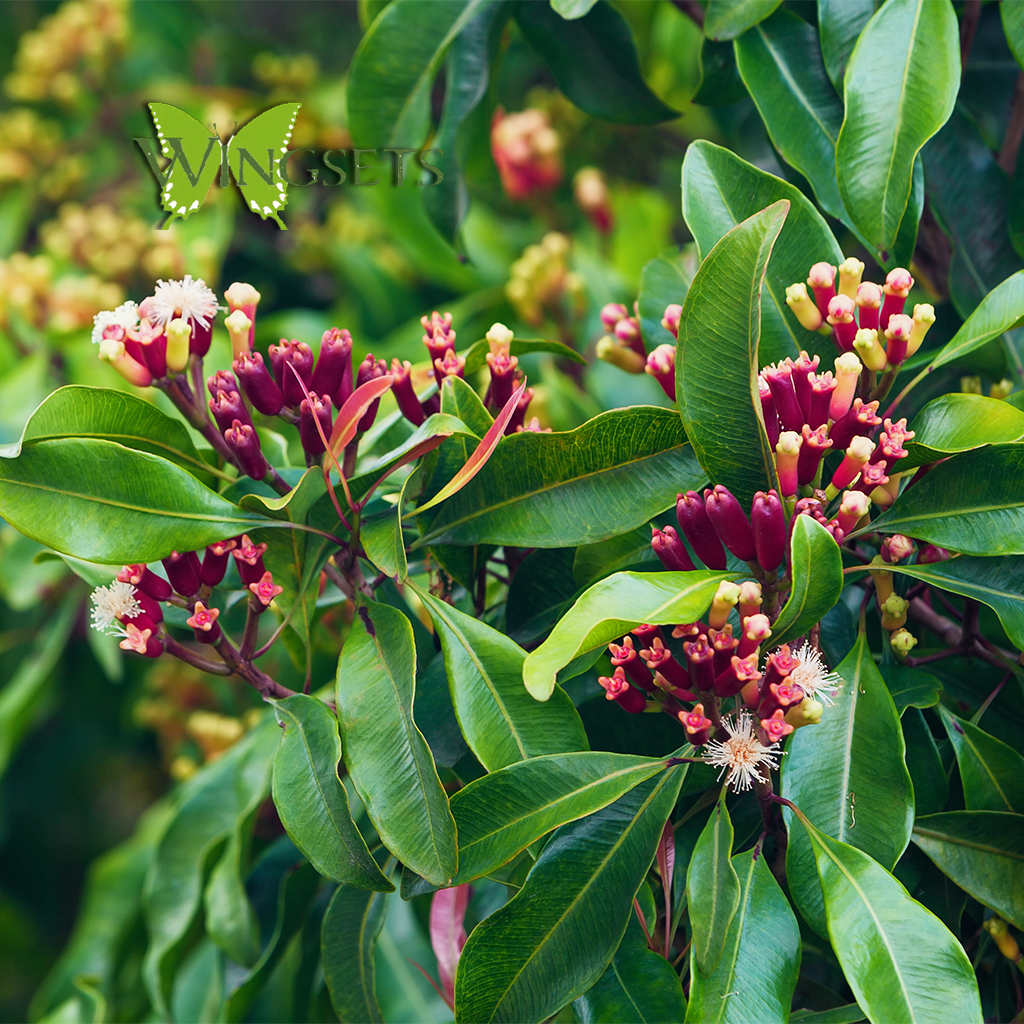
x=780, y=380
x=333, y=363
x=245, y=446
x=370, y=369
x=295, y=354
x=215, y=562
x=670, y=549
x=625, y=654
x=183, y=572
x=768, y=522
x=730, y=522
x=309, y=414
x=405, y=393
x=627, y=697
x=696, y=527
x=259, y=386
x=227, y=408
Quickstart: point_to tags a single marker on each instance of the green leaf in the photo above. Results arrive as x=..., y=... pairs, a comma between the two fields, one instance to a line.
x=720, y=191
x=847, y=774
x=664, y=280
x=501, y=814
x=210, y=804
x=501, y=722
x=573, y=910
x=717, y=358
x=840, y=23
x=899, y=90
x=957, y=423
x=911, y=687
x=851, y=1013
x=349, y=933
x=756, y=976
x=570, y=9
x=104, y=503
x=992, y=773
x=973, y=503
x=931, y=788
x=999, y=311
x=712, y=889
x=632, y=550
x=476, y=354
x=82, y=412
x=901, y=961
x=720, y=83
x=607, y=476
x=610, y=609
x=385, y=754
x=311, y=799
x=384, y=543
x=817, y=580
x=1013, y=28
x=230, y=920
x=593, y=60
x=780, y=63
x=395, y=62
x=996, y=582
x=983, y=852
x=727, y=19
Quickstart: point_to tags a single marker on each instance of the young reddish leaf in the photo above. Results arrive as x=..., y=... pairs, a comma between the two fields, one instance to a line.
x=411, y=455
x=477, y=460
x=448, y=933
x=666, y=867
x=352, y=411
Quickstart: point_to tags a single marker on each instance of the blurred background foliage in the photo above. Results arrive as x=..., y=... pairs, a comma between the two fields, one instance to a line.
x=88, y=742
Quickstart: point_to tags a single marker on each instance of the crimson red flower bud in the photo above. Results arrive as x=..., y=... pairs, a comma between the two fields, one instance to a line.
x=627, y=330
x=771, y=417
x=821, y=280
x=285, y=356
x=142, y=641
x=370, y=369
x=320, y=410
x=869, y=300
x=249, y=560
x=702, y=662
x=822, y=387
x=860, y=421
x=215, y=562
x=332, y=375
x=405, y=393
x=259, y=386
x=779, y=695
x=661, y=365
x=730, y=522
x=776, y=728
x=932, y=553
x=450, y=365
x=645, y=631
x=150, y=608
x=697, y=726
x=897, y=335
x=780, y=379
x=627, y=697
x=183, y=572
x=873, y=475
x=768, y=522
x=612, y=313
x=738, y=674
x=670, y=321
x=519, y=413
x=228, y=408
x=658, y=658
x=146, y=581
x=204, y=623
x=244, y=444
x=756, y=629
x=625, y=654
x=897, y=287
x=222, y=380
x=804, y=369
x=503, y=377
x=696, y=527
x=812, y=449
x=670, y=549
x=723, y=643
x=781, y=663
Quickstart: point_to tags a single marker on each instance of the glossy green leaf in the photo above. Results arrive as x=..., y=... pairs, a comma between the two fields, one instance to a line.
x=720, y=191
x=556, y=937
x=957, y=423
x=349, y=932
x=503, y=812
x=983, y=852
x=992, y=773
x=384, y=543
x=851, y=1013
x=385, y=754
x=817, y=580
x=780, y=62
x=76, y=411
x=717, y=397
x=229, y=918
x=394, y=64
x=593, y=60
x=476, y=354
x=501, y=722
x=712, y=889
x=901, y=961
x=840, y=23
x=632, y=550
x=610, y=609
x=105, y=503
x=899, y=90
x=756, y=976
x=996, y=582
x=664, y=280
x=311, y=800
x=848, y=775
x=727, y=19
x=610, y=475
x=1013, y=27
x=210, y=804
x=931, y=788
x=911, y=687
x=973, y=503
x=720, y=83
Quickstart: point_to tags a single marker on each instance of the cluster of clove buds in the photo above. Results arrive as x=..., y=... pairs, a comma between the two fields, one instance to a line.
x=623, y=345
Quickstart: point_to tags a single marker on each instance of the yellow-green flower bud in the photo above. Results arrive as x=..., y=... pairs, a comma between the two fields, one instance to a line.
x=611, y=350
x=894, y=611
x=850, y=271
x=902, y=643
x=807, y=712
x=179, y=334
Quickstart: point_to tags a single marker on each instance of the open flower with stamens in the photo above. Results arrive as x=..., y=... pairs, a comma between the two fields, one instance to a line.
x=188, y=298
x=113, y=602
x=126, y=315
x=743, y=756
x=813, y=676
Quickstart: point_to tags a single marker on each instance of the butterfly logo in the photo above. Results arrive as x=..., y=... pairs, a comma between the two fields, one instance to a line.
x=189, y=144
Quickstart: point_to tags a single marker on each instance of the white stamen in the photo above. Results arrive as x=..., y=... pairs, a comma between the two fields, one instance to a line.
x=126, y=315
x=813, y=676
x=741, y=754
x=188, y=298
x=111, y=603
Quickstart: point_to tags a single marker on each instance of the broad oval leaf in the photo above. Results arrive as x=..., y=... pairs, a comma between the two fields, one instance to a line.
x=817, y=580
x=594, y=61
x=503, y=812
x=727, y=19
x=931, y=788
x=555, y=938
x=501, y=722
x=973, y=503
x=911, y=687
x=610, y=609
x=717, y=359
x=899, y=90
x=664, y=280
x=348, y=939
x=105, y=503
x=229, y=918
x=848, y=775
x=385, y=754
x=756, y=976
x=957, y=423
x=992, y=773
x=983, y=852
x=607, y=476
x=720, y=191
x=712, y=889
x=311, y=800
x=840, y=23
x=901, y=961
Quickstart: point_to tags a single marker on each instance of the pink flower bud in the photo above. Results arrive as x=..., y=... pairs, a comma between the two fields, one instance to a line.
x=371, y=369
x=848, y=368
x=869, y=349
x=804, y=309
x=451, y=365
x=697, y=726
x=775, y=729
x=756, y=629
x=854, y=507
x=850, y=271
x=697, y=529
x=872, y=476
x=897, y=287
x=258, y=385
x=183, y=572
x=227, y=408
x=661, y=365
x=618, y=689
x=821, y=280
x=897, y=547
x=924, y=317
x=627, y=330
x=204, y=623
x=265, y=590
x=856, y=458
x=314, y=409
x=723, y=643
x=771, y=417
x=768, y=521
x=141, y=641
x=527, y=152
x=332, y=375
x=222, y=380
x=897, y=338
x=780, y=379
x=405, y=394
x=503, y=377
x=804, y=369
x=244, y=443
x=249, y=560
x=612, y=313
x=860, y=420
x=658, y=659
x=670, y=549
x=239, y=328
x=730, y=522
x=869, y=301
x=750, y=596
x=286, y=357
x=625, y=654
x=787, y=458
x=439, y=337
x=670, y=321
x=932, y=553
x=590, y=190
x=701, y=659
x=215, y=562
x=732, y=680
x=822, y=387
x=840, y=316
x=244, y=298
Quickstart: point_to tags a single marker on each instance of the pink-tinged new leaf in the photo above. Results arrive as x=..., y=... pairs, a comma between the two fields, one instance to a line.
x=352, y=411
x=666, y=867
x=478, y=459
x=448, y=933
x=433, y=984
x=410, y=456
